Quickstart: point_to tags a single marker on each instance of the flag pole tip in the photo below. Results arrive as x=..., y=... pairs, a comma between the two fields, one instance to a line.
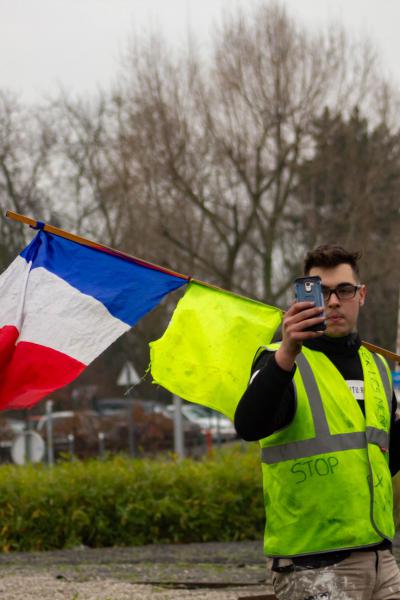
x=39, y=225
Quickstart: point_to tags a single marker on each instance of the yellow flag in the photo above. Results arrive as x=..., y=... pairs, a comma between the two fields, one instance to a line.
x=205, y=354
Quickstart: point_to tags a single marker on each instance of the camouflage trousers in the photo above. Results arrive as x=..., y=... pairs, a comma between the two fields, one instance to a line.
x=361, y=576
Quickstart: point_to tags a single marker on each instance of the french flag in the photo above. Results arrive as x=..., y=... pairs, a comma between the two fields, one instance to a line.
x=61, y=305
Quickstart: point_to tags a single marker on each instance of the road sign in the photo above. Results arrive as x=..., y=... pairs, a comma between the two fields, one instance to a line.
x=19, y=451
x=128, y=375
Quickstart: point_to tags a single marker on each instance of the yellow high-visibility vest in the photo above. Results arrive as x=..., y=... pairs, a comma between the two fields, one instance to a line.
x=327, y=484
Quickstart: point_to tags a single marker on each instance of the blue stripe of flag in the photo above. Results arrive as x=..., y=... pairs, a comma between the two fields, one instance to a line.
x=127, y=289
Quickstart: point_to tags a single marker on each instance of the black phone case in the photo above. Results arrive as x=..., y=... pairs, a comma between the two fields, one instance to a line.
x=308, y=289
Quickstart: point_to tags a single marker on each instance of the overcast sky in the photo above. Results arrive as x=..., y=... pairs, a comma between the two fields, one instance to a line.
x=77, y=44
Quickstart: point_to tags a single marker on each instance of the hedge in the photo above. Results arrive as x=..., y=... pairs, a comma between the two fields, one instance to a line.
x=126, y=502
x=122, y=501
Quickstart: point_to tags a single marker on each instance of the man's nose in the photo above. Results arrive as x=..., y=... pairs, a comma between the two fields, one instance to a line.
x=333, y=300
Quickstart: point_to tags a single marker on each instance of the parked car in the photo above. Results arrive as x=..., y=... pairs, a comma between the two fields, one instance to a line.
x=16, y=425
x=219, y=426
x=115, y=426
x=153, y=427
x=112, y=406
x=76, y=432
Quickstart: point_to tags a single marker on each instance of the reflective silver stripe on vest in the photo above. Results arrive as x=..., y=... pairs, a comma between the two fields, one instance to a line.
x=314, y=397
x=378, y=437
x=324, y=441
x=302, y=449
x=385, y=379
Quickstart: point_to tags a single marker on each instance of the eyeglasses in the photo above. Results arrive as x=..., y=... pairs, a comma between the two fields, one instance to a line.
x=344, y=291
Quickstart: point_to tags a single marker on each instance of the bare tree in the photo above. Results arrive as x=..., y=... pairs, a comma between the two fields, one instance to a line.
x=25, y=143
x=223, y=166
x=197, y=162
x=215, y=144
x=348, y=191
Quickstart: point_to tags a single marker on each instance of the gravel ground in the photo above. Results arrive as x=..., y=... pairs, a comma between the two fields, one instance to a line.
x=163, y=572
x=214, y=571
x=46, y=588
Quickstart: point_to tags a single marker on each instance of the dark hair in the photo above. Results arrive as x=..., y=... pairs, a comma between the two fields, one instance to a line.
x=329, y=255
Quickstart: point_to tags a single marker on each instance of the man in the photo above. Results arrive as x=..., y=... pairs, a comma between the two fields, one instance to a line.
x=322, y=407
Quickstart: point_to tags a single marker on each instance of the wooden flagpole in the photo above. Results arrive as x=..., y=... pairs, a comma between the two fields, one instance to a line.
x=386, y=353
x=85, y=242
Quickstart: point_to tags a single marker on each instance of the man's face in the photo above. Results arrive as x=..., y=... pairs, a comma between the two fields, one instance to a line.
x=341, y=315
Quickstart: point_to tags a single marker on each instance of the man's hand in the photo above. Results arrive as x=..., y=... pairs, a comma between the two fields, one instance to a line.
x=299, y=317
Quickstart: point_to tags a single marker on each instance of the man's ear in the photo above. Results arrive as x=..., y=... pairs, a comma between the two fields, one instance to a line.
x=362, y=295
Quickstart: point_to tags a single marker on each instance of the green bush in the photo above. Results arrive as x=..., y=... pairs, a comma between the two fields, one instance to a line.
x=124, y=501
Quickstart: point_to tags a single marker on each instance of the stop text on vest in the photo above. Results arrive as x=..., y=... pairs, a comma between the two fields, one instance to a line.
x=314, y=467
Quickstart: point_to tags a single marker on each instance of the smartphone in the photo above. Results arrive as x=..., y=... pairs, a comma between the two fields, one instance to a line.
x=308, y=289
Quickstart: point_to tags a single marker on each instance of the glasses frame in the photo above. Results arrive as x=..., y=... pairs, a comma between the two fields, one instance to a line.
x=334, y=291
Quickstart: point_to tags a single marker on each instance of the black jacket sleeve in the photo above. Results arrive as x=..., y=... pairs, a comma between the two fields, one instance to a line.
x=268, y=404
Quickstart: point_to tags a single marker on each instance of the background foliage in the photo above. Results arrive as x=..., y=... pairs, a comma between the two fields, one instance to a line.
x=227, y=165
x=126, y=502
x=131, y=502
